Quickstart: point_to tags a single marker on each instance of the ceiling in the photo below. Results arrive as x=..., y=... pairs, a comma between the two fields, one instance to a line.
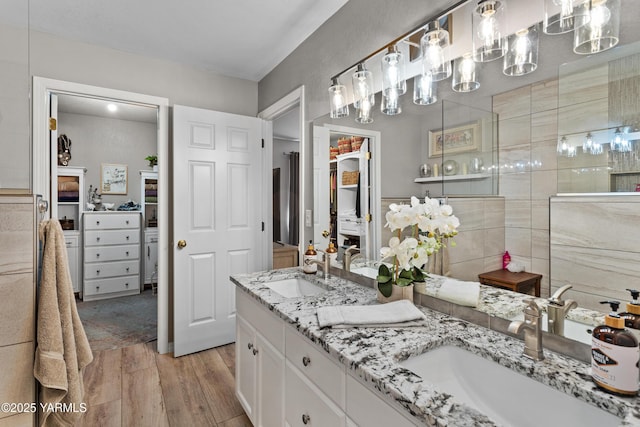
x=239, y=38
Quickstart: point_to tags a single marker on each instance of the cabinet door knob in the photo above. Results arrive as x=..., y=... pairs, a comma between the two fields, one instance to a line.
x=306, y=361
x=250, y=346
x=255, y=351
x=306, y=419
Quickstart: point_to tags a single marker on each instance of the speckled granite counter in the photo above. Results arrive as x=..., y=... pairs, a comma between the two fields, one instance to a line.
x=373, y=353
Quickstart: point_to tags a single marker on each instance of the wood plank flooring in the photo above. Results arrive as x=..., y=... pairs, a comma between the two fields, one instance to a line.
x=136, y=386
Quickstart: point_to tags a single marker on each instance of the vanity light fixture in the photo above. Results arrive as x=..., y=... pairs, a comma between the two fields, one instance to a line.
x=522, y=52
x=390, y=103
x=620, y=142
x=487, y=26
x=433, y=46
x=564, y=148
x=587, y=145
x=338, y=100
x=562, y=16
x=464, y=74
x=424, y=90
x=603, y=29
x=393, y=67
x=363, y=94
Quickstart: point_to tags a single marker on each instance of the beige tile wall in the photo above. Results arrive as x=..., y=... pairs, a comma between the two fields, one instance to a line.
x=17, y=306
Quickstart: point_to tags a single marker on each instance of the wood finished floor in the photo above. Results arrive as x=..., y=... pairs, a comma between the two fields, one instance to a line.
x=136, y=386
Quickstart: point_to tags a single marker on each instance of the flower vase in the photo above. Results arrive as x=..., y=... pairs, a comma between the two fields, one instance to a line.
x=397, y=293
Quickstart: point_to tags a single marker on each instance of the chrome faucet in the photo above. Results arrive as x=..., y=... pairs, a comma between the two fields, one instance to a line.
x=557, y=310
x=532, y=326
x=324, y=263
x=348, y=257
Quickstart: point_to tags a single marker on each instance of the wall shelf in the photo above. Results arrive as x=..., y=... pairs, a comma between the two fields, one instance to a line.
x=469, y=177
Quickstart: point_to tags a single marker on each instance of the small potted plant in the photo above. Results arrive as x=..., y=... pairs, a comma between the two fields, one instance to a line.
x=153, y=161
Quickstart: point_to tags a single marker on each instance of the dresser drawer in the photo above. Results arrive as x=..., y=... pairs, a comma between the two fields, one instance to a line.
x=111, y=269
x=107, y=286
x=111, y=237
x=111, y=221
x=111, y=253
x=305, y=405
x=318, y=367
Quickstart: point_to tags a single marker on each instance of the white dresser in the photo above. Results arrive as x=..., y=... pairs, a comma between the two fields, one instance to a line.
x=111, y=254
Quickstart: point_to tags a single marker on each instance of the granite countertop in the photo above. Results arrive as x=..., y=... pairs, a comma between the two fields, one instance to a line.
x=373, y=354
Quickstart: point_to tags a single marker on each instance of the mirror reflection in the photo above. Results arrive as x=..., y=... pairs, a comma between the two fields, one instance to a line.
x=523, y=123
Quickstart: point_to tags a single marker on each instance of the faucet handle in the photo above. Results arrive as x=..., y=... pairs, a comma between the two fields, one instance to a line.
x=556, y=298
x=533, y=306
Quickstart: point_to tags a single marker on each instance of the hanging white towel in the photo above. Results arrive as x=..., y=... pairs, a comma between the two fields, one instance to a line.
x=459, y=292
x=393, y=314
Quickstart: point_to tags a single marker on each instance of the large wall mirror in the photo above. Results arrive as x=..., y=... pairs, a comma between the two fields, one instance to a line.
x=522, y=121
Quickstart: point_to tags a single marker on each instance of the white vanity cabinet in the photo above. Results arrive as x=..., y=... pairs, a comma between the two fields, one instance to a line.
x=111, y=254
x=284, y=379
x=72, y=241
x=260, y=362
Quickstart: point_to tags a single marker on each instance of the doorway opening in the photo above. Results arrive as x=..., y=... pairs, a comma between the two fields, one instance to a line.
x=102, y=148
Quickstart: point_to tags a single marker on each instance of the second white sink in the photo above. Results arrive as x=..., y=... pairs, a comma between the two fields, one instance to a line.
x=295, y=287
x=507, y=397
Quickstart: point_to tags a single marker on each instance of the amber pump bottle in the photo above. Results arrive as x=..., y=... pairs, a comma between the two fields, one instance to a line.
x=632, y=315
x=614, y=355
x=308, y=266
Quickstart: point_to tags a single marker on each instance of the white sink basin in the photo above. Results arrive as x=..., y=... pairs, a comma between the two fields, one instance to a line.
x=295, y=287
x=507, y=397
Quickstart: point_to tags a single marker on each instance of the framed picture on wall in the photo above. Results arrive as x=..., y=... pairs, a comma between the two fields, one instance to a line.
x=113, y=179
x=460, y=139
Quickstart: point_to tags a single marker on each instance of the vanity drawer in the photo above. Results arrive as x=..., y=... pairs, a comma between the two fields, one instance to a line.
x=98, y=270
x=351, y=226
x=107, y=286
x=305, y=405
x=365, y=408
x=318, y=367
x=111, y=237
x=268, y=324
x=111, y=221
x=111, y=253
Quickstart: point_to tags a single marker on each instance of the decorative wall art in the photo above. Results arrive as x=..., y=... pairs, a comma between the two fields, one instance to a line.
x=113, y=179
x=460, y=139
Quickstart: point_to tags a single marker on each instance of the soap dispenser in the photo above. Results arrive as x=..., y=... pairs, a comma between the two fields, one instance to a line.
x=308, y=264
x=332, y=253
x=614, y=355
x=632, y=315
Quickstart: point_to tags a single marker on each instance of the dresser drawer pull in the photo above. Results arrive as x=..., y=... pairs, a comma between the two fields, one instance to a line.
x=127, y=253
x=127, y=222
x=97, y=271
x=255, y=351
x=97, y=222
x=97, y=255
x=127, y=269
x=68, y=243
x=126, y=285
x=127, y=237
x=97, y=239
x=250, y=346
x=306, y=361
x=306, y=419
x=97, y=288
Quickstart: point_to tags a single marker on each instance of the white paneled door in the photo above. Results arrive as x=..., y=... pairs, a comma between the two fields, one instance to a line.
x=218, y=215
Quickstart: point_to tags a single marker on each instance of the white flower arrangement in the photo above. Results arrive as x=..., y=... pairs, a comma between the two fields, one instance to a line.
x=426, y=227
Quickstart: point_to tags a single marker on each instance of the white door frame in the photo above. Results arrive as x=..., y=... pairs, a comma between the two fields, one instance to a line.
x=269, y=114
x=41, y=184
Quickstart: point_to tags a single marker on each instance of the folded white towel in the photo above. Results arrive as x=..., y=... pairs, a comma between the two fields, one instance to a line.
x=459, y=292
x=380, y=315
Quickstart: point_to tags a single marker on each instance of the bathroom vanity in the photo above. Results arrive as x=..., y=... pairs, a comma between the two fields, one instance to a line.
x=288, y=369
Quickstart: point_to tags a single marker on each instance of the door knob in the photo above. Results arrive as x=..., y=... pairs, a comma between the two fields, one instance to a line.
x=182, y=243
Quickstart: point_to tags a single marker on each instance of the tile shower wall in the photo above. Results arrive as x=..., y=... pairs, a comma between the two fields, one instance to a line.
x=527, y=139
